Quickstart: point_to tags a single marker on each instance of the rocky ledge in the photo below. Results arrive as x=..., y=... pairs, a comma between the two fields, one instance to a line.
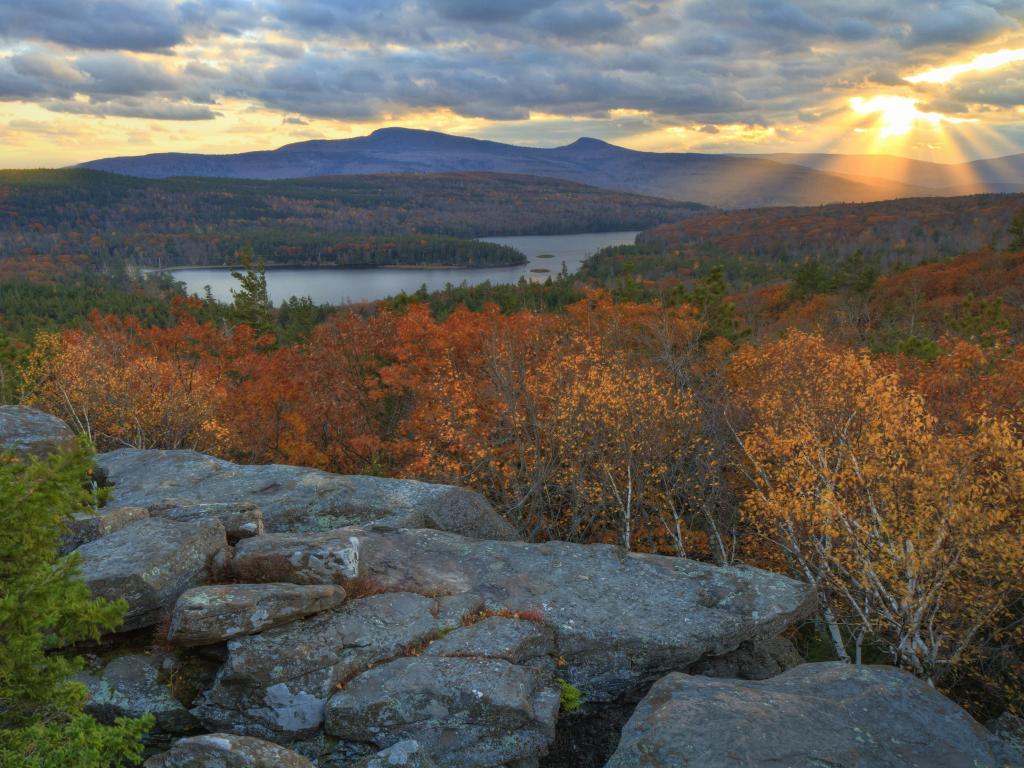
x=281, y=616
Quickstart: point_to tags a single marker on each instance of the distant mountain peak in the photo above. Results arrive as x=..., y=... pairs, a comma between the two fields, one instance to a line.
x=588, y=142
x=398, y=130
x=723, y=180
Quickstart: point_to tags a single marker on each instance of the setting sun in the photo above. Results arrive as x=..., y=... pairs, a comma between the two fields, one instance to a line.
x=897, y=116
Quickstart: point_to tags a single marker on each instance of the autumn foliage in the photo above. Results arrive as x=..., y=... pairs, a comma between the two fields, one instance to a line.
x=894, y=482
x=910, y=531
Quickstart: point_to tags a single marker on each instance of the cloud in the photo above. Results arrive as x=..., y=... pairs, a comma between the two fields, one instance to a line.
x=152, y=109
x=705, y=63
x=134, y=25
x=958, y=22
x=489, y=11
x=590, y=21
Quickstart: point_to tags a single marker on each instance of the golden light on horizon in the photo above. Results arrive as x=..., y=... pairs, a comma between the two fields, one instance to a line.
x=898, y=115
x=983, y=62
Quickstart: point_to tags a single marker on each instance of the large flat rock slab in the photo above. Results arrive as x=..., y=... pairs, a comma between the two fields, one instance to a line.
x=150, y=563
x=297, y=498
x=27, y=432
x=828, y=714
x=275, y=685
x=620, y=620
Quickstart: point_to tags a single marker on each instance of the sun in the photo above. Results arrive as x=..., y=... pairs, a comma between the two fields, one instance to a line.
x=897, y=115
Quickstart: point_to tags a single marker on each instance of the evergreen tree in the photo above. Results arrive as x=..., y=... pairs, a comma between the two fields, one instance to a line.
x=1017, y=232
x=252, y=305
x=10, y=379
x=709, y=297
x=45, y=607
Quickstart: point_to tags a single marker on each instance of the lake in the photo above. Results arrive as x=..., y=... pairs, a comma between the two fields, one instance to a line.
x=342, y=286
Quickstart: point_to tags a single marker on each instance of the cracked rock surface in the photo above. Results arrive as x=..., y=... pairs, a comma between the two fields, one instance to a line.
x=297, y=498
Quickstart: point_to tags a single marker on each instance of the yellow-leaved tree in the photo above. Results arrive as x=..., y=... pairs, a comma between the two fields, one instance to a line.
x=911, y=534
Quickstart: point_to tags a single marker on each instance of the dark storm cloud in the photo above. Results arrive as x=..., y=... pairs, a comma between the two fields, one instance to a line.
x=705, y=62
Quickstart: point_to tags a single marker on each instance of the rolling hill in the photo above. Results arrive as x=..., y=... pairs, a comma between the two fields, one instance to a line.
x=758, y=246
x=366, y=220
x=720, y=180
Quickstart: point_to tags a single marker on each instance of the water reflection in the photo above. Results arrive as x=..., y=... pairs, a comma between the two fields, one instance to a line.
x=341, y=286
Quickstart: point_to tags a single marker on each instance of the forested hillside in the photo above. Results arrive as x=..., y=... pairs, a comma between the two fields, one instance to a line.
x=79, y=217
x=760, y=245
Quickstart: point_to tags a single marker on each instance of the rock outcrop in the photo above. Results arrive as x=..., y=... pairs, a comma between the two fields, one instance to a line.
x=26, y=432
x=620, y=620
x=150, y=563
x=370, y=622
x=813, y=715
x=296, y=498
x=220, y=612
x=276, y=684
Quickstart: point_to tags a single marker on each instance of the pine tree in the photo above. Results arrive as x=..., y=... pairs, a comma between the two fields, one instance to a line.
x=252, y=305
x=1017, y=232
x=45, y=607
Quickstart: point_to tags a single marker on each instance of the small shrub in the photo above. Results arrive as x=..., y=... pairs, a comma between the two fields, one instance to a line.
x=569, y=696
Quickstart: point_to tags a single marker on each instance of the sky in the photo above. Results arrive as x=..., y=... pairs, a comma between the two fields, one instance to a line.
x=82, y=79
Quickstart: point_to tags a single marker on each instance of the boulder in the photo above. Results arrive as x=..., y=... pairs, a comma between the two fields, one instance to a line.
x=129, y=686
x=150, y=563
x=85, y=527
x=275, y=684
x=225, y=750
x=27, y=432
x=219, y=612
x=620, y=620
x=469, y=712
x=296, y=498
x=241, y=520
x=831, y=714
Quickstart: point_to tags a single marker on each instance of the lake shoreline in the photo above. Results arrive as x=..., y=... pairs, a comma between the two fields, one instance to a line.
x=270, y=267
x=340, y=285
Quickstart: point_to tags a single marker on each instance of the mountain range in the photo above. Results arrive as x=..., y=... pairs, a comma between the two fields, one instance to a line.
x=727, y=181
